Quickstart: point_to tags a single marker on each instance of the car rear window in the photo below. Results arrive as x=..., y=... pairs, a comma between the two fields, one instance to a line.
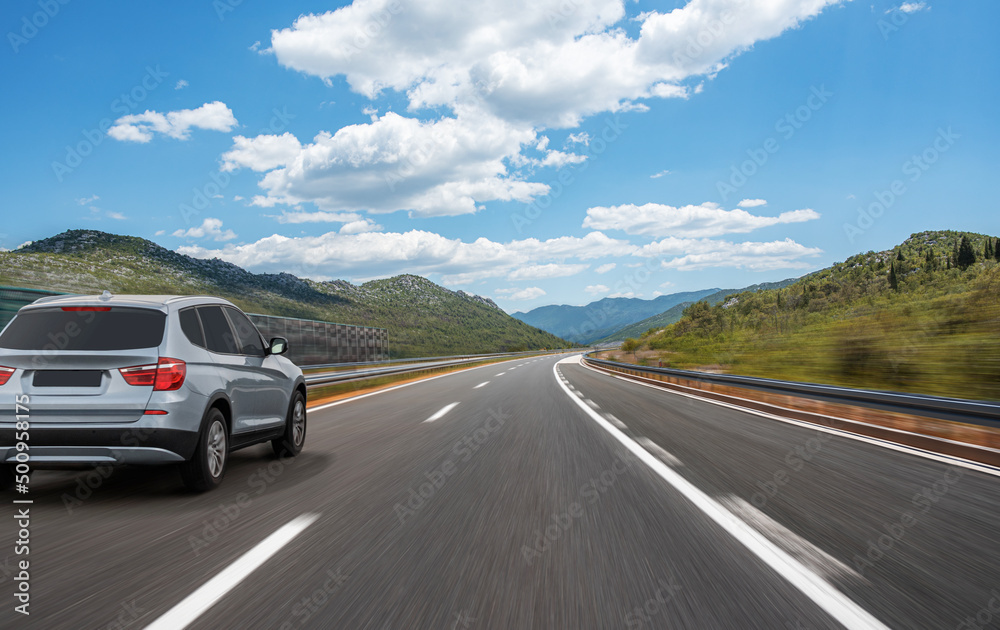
x=86, y=328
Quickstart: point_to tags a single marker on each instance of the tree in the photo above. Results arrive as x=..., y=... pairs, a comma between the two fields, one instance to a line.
x=966, y=255
x=893, y=282
x=899, y=255
x=630, y=345
x=988, y=249
x=996, y=250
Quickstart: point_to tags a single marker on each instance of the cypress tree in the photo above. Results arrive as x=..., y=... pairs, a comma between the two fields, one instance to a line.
x=996, y=249
x=966, y=255
x=893, y=282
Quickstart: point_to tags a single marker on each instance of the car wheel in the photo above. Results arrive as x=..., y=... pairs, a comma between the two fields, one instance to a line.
x=290, y=444
x=204, y=471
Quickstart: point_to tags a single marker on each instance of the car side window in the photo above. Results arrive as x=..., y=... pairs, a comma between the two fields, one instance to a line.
x=191, y=326
x=246, y=333
x=219, y=336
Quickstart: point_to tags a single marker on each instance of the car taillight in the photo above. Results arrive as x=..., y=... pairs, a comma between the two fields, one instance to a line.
x=166, y=375
x=170, y=374
x=5, y=374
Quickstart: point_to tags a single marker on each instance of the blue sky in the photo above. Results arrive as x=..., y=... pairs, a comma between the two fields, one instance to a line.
x=536, y=153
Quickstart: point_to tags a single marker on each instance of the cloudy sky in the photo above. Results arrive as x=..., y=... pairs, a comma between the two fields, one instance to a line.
x=536, y=151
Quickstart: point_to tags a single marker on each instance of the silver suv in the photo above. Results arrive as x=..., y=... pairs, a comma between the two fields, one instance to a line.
x=144, y=379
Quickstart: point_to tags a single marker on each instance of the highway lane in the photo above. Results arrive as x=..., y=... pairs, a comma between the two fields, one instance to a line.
x=532, y=515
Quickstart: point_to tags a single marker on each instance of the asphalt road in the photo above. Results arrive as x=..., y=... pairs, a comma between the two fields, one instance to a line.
x=519, y=508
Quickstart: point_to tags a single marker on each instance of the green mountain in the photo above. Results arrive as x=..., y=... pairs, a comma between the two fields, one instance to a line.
x=423, y=319
x=674, y=313
x=584, y=324
x=921, y=317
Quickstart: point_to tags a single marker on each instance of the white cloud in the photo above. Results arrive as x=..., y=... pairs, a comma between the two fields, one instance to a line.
x=215, y=116
x=558, y=159
x=262, y=153
x=117, y=216
x=360, y=226
x=550, y=270
x=499, y=72
x=530, y=293
x=318, y=217
x=86, y=201
x=659, y=175
x=693, y=254
x=597, y=289
x=380, y=254
x=605, y=268
x=159, y=233
x=545, y=62
x=209, y=227
x=752, y=203
x=181, y=85
x=435, y=168
x=625, y=294
x=910, y=7
x=237, y=198
x=708, y=219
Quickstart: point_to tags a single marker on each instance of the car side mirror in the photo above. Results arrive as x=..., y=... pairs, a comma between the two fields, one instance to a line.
x=279, y=345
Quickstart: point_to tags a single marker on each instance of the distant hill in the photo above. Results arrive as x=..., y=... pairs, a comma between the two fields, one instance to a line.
x=423, y=318
x=585, y=324
x=921, y=317
x=674, y=313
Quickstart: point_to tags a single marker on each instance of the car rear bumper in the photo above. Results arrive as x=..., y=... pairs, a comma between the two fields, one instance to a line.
x=52, y=447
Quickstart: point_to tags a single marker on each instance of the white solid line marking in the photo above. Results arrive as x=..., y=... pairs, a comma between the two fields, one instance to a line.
x=666, y=456
x=821, y=592
x=893, y=446
x=483, y=384
x=440, y=413
x=806, y=552
x=192, y=606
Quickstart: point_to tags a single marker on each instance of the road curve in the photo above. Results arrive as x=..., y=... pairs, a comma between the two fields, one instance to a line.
x=498, y=497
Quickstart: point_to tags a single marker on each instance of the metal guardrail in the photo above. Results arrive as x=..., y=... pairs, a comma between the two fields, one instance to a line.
x=314, y=380
x=983, y=413
x=424, y=359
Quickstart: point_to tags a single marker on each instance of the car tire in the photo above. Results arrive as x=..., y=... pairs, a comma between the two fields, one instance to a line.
x=206, y=468
x=291, y=442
